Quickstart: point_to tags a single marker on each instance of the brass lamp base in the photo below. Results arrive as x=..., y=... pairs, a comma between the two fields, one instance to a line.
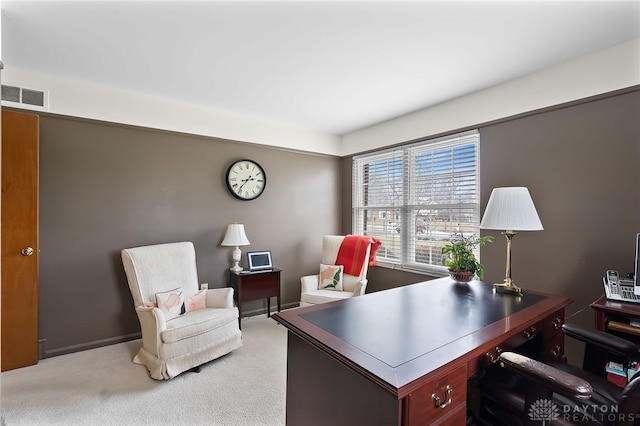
x=507, y=287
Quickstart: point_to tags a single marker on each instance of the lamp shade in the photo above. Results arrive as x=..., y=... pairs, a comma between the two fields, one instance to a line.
x=235, y=236
x=511, y=209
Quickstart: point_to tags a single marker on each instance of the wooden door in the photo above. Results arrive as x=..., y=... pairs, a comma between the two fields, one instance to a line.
x=19, y=268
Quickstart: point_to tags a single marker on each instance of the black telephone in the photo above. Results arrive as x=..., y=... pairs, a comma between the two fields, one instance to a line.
x=617, y=289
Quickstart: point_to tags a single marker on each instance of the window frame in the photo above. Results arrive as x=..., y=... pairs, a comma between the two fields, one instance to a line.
x=405, y=205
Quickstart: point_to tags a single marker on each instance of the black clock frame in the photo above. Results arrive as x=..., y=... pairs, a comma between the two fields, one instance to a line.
x=232, y=192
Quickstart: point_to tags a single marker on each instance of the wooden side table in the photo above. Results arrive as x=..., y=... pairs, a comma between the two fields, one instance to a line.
x=255, y=285
x=616, y=315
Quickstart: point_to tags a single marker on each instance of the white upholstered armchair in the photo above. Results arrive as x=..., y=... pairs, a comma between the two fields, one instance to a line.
x=182, y=326
x=352, y=284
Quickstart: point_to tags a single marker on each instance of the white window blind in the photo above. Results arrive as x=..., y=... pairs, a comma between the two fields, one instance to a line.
x=415, y=197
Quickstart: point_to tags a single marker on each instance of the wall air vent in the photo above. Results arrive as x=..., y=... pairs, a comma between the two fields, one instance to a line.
x=10, y=93
x=20, y=95
x=32, y=97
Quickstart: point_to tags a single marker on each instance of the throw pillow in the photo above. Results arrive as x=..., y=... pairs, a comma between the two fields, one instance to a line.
x=195, y=302
x=330, y=277
x=171, y=303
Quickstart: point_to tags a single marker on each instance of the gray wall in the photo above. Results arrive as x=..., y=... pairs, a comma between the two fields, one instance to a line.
x=582, y=167
x=105, y=187
x=581, y=163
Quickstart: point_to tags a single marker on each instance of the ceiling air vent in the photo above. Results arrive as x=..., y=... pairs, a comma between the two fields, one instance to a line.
x=23, y=96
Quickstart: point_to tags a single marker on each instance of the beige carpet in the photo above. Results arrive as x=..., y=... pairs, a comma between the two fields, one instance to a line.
x=103, y=387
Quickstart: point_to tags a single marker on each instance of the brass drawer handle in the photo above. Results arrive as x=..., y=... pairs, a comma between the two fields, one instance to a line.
x=556, y=351
x=493, y=359
x=436, y=398
x=531, y=333
x=556, y=323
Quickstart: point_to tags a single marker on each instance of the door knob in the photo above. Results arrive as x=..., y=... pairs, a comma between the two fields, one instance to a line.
x=27, y=251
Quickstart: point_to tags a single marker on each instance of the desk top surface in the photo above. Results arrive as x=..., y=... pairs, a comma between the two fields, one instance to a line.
x=401, y=333
x=418, y=320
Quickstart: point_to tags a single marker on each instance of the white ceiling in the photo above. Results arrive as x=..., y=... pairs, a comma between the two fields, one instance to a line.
x=329, y=66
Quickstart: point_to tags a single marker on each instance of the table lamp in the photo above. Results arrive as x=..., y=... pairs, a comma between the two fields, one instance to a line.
x=510, y=209
x=235, y=236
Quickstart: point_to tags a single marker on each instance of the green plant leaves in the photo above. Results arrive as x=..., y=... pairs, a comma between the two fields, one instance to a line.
x=458, y=253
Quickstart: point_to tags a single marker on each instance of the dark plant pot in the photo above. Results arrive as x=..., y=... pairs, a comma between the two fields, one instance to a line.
x=462, y=276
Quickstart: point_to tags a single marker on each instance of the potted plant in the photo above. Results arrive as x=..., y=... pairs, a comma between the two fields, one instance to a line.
x=458, y=256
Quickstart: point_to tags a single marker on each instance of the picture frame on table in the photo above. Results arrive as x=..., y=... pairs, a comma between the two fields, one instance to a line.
x=259, y=260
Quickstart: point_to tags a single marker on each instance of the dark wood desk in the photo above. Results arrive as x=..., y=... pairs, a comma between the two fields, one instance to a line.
x=384, y=358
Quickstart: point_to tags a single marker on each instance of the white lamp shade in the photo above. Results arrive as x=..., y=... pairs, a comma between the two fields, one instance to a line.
x=511, y=209
x=235, y=236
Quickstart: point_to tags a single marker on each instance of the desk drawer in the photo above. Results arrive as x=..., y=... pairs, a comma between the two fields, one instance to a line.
x=259, y=289
x=257, y=286
x=550, y=341
x=554, y=349
x=438, y=398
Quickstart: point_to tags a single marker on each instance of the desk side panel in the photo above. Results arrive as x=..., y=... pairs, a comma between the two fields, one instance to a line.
x=322, y=391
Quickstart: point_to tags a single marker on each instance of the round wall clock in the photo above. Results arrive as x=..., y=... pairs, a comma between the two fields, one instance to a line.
x=246, y=179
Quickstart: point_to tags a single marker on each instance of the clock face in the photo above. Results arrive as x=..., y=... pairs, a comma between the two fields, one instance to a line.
x=246, y=179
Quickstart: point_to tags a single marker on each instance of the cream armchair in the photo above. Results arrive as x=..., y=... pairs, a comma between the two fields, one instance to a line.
x=353, y=285
x=189, y=327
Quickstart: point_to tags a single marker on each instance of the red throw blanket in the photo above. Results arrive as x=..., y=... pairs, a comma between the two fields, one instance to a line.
x=353, y=250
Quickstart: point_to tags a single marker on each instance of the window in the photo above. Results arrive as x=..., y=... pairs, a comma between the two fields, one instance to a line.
x=415, y=197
